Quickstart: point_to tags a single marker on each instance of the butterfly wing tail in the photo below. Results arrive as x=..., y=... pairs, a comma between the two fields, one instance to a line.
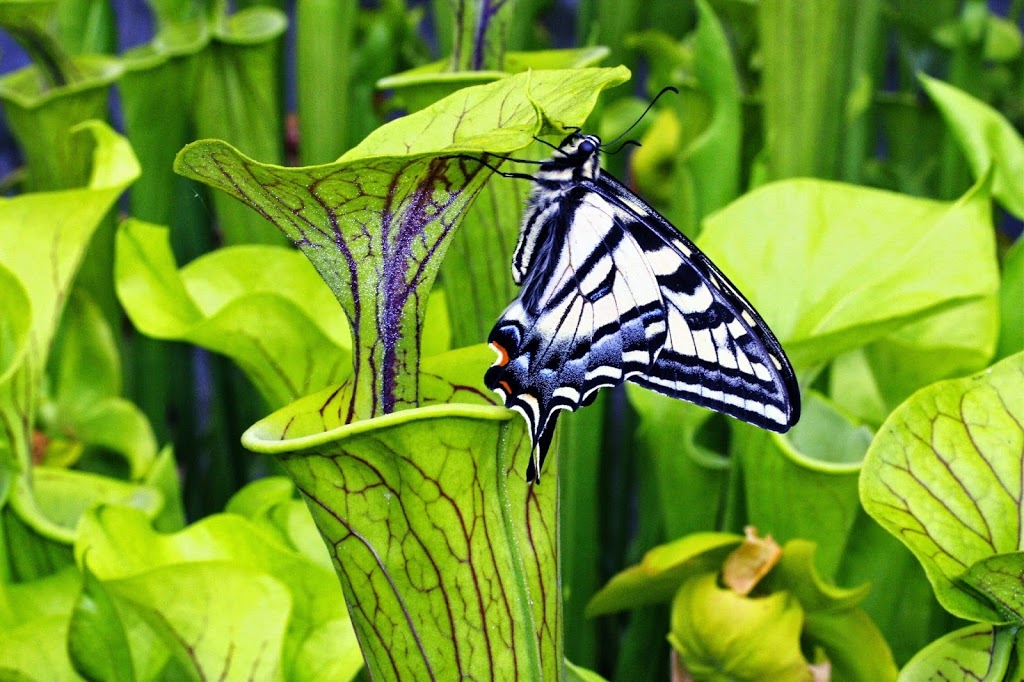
x=541, y=447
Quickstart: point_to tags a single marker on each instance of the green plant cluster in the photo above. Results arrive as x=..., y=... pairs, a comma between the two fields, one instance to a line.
x=846, y=164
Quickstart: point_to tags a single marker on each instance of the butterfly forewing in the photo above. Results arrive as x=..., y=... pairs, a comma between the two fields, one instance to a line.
x=612, y=292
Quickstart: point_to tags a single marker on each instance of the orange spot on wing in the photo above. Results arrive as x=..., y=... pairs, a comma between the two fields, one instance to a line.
x=502, y=354
x=504, y=385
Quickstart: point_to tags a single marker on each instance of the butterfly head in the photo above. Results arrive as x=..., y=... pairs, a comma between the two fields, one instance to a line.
x=577, y=158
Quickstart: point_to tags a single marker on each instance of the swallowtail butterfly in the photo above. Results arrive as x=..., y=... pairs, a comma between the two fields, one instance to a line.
x=612, y=292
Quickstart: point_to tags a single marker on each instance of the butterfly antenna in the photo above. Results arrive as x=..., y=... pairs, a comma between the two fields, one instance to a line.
x=625, y=144
x=483, y=161
x=667, y=88
x=546, y=143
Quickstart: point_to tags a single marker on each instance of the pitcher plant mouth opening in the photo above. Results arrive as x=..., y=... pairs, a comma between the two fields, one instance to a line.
x=301, y=425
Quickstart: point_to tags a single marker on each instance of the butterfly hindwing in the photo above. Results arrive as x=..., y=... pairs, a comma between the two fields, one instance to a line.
x=719, y=352
x=612, y=292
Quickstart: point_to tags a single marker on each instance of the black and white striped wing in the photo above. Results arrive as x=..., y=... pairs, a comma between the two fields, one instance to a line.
x=579, y=323
x=615, y=293
x=718, y=352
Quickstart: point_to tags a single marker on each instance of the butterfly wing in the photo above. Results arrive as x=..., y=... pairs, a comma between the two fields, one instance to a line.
x=718, y=353
x=613, y=292
x=579, y=323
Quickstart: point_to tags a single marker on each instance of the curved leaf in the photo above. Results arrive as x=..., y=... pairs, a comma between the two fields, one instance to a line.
x=134, y=563
x=998, y=578
x=832, y=267
x=97, y=639
x=944, y=476
x=986, y=138
x=710, y=164
x=720, y=633
x=376, y=223
x=804, y=484
x=1011, y=333
x=86, y=406
x=290, y=340
x=47, y=262
x=980, y=651
x=423, y=85
x=232, y=625
x=42, y=119
x=855, y=647
x=872, y=381
x=15, y=323
x=662, y=570
x=41, y=521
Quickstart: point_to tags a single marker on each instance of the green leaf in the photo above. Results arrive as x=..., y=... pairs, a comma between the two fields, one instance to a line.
x=232, y=624
x=41, y=120
x=828, y=279
x=479, y=34
x=718, y=632
x=998, y=578
x=34, y=627
x=662, y=570
x=289, y=340
x=35, y=652
x=873, y=380
x=1011, y=293
x=986, y=138
x=211, y=76
x=943, y=477
x=981, y=651
x=85, y=406
x=44, y=254
x=164, y=476
x=53, y=595
x=797, y=574
x=325, y=33
x=15, y=323
x=709, y=167
x=155, y=105
x=406, y=185
x=576, y=674
x=30, y=22
x=272, y=503
x=1002, y=39
x=804, y=484
x=691, y=475
x=87, y=26
x=140, y=568
x=582, y=509
x=804, y=87
x=423, y=85
x=424, y=510
x=47, y=262
x=97, y=641
x=855, y=647
x=235, y=97
x=59, y=497
x=86, y=366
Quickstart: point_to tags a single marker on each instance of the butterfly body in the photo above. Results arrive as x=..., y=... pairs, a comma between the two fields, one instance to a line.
x=611, y=292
